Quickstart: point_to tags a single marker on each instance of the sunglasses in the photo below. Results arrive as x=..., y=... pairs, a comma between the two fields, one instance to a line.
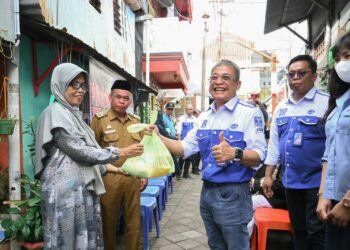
x=77, y=85
x=300, y=74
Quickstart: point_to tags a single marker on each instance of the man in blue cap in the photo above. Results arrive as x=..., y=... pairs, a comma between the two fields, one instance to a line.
x=165, y=123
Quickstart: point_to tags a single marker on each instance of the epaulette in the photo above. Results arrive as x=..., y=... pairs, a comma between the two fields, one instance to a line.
x=101, y=114
x=134, y=116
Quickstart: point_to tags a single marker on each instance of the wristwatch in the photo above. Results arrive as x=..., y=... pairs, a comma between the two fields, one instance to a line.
x=346, y=202
x=238, y=154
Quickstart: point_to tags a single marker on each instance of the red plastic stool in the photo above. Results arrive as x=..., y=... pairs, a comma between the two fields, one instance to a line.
x=268, y=219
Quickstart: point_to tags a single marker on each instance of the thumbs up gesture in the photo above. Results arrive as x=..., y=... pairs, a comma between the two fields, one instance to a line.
x=223, y=151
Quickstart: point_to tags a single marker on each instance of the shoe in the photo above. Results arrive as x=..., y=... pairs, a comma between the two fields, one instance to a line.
x=196, y=173
x=178, y=178
x=187, y=176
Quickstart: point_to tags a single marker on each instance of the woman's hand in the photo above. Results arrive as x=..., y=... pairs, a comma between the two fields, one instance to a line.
x=135, y=149
x=149, y=130
x=113, y=169
x=267, y=186
x=323, y=207
x=339, y=215
x=144, y=183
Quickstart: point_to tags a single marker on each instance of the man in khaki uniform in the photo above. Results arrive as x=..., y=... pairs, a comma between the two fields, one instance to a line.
x=122, y=191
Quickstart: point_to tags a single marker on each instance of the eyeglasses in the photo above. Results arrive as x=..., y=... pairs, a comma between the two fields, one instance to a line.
x=77, y=85
x=300, y=74
x=225, y=78
x=119, y=97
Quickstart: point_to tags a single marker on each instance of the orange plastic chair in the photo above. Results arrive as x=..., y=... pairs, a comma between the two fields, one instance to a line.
x=268, y=219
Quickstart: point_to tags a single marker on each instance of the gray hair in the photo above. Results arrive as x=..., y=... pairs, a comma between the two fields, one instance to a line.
x=230, y=64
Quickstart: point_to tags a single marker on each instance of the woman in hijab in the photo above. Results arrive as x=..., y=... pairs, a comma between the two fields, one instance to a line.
x=70, y=164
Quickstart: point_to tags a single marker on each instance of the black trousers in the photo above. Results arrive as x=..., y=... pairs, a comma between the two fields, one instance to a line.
x=177, y=170
x=337, y=238
x=184, y=164
x=309, y=231
x=195, y=162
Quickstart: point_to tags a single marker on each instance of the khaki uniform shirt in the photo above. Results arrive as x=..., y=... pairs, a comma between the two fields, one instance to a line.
x=110, y=131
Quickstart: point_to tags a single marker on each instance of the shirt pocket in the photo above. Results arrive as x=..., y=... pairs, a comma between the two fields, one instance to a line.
x=136, y=137
x=110, y=137
x=344, y=122
x=204, y=140
x=234, y=138
x=282, y=123
x=310, y=127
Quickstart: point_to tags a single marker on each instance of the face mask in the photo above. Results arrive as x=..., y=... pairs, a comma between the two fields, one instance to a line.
x=343, y=70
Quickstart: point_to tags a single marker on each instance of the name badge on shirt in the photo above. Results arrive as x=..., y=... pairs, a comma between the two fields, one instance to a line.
x=298, y=139
x=107, y=132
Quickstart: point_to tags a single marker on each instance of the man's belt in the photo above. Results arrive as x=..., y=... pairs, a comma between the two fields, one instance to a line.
x=209, y=184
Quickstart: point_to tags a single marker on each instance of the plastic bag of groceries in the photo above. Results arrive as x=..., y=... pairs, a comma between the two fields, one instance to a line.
x=156, y=159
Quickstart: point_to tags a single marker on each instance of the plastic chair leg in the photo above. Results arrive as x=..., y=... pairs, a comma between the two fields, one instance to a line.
x=164, y=198
x=253, y=239
x=166, y=189
x=159, y=206
x=156, y=220
x=170, y=179
x=262, y=238
x=145, y=228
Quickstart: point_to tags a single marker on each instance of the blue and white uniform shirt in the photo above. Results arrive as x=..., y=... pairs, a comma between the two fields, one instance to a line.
x=185, y=124
x=297, y=139
x=243, y=127
x=337, y=153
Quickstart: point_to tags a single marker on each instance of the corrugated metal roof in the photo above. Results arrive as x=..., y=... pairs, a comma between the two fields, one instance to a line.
x=42, y=32
x=284, y=12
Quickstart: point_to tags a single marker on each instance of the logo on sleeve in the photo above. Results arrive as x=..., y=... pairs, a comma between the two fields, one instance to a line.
x=311, y=111
x=282, y=112
x=259, y=125
x=204, y=123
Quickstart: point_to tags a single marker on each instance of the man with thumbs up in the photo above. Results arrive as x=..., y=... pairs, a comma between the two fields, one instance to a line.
x=230, y=138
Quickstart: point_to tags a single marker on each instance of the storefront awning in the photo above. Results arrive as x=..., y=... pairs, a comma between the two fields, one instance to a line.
x=280, y=13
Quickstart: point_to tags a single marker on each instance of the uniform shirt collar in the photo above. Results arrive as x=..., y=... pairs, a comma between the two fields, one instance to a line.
x=341, y=100
x=230, y=105
x=309, y=96
x=112, y=115
x=188, y=116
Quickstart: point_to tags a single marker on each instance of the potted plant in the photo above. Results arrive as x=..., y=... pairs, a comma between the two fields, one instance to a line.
x=4, y=195
x=25, y=226
x=4, y=188
x=7, y=126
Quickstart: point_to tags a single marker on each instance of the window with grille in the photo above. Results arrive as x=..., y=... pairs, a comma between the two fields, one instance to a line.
x=319, y=46
x=96, y=4
x=120, y=18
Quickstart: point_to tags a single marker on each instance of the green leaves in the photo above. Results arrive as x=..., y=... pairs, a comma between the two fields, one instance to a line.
x=26, y=222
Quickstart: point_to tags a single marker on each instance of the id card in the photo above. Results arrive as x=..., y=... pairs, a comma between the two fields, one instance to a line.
x=298, y=139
